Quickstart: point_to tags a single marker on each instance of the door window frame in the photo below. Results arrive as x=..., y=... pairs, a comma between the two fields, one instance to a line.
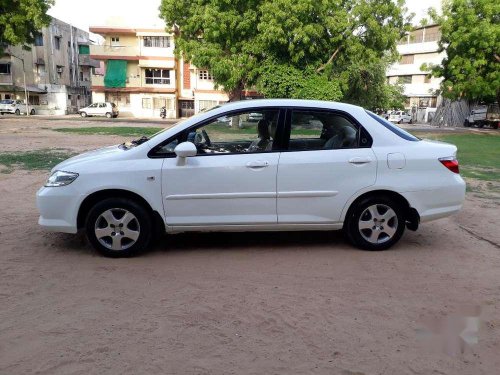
x=183, y=134
x=361, y=130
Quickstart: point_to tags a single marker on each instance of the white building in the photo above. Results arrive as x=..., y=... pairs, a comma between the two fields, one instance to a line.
x=419, y=47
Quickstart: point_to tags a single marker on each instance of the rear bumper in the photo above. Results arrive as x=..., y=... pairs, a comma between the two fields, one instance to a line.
x=438, y=203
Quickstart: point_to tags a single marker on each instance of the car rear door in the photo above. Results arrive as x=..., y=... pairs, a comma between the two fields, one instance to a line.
x=328, y=159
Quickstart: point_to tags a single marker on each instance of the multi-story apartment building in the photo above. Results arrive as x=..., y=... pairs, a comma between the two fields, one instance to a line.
x=141, y=74
x=57, y=69
x=419, y=47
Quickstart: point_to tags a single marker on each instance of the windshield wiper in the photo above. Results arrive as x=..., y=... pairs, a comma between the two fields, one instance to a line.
x=140, y=141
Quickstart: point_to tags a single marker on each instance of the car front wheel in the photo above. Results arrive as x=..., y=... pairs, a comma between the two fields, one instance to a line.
x=375, y=223
x=119, y=227
x=83, y=114
x=109, y=115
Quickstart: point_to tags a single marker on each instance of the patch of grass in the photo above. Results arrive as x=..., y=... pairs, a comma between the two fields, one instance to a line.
x=33, y=160
x=479, y=154
x=125, y=131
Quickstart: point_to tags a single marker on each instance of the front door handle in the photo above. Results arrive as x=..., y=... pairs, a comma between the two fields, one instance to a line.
x=257, y=164
x=360, y=161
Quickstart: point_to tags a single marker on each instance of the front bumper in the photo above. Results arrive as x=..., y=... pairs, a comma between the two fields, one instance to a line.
x=58, y=207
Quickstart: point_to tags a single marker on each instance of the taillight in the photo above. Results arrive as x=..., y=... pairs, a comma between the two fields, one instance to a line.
x=451, y=163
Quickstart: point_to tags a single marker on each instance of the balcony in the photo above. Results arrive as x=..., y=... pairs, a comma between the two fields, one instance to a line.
x=131, y=81
x=85, y=60
x=5, y=79
x=122, y=52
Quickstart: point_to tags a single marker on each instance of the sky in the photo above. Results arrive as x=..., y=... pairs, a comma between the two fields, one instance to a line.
x=145, y=12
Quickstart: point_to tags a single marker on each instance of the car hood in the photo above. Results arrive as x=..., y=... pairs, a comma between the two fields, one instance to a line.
x=100, y=154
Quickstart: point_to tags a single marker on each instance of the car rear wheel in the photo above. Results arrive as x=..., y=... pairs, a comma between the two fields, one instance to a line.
x=32, y=112
x=375, y=223
x=119, y=227
x=109, y=115
x=18, y=112
x=83, y=114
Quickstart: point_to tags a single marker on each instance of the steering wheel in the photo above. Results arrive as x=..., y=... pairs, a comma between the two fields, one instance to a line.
x=207, y=138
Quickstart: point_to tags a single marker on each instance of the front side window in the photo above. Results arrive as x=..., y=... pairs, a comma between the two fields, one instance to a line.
x=245, y=132
x=321, y=130
x=157, y=76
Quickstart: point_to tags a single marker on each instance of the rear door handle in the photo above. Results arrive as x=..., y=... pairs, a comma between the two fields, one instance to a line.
x=360, y=161
x=257, y=164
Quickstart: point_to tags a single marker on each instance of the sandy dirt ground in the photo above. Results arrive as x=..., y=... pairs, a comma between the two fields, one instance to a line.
x=259, y=303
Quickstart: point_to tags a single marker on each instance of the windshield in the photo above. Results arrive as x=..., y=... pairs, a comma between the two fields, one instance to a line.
x=6, y=101
x=393, y=128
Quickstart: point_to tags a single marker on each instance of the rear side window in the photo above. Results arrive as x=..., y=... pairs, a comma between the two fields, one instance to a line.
x=393, y=128
x=313, y=130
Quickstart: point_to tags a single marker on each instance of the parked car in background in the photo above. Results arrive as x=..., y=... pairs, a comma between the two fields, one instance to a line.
x=100, y=109
x=484, y=115
x=348, y=169
x=14, y=107
x=400, y=117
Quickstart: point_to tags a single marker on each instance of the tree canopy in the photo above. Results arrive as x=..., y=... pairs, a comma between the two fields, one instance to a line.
x=287, y=48
x=21, y=19
x=471, y=37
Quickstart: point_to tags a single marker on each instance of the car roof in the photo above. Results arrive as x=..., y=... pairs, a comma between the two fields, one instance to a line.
x=242, y=104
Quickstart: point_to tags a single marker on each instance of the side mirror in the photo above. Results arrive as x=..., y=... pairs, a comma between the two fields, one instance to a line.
x=184, y=150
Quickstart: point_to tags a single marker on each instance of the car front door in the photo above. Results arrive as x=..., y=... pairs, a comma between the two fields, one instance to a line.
x=328, y=160
x=231, y=180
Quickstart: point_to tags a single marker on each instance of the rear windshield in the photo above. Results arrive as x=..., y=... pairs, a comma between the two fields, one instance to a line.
x=393, y=128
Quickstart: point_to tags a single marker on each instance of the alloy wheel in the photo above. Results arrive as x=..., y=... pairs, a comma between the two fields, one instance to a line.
x=378, y=223
x=117, y=229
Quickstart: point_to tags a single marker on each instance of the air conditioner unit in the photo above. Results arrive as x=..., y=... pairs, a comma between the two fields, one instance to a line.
x=59, y=70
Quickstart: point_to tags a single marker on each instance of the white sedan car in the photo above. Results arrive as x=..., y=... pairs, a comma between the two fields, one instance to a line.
x=400, y=117
x=309, y=165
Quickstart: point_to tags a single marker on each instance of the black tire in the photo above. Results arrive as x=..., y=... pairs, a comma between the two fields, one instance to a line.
x=32, y=112
x=400, y=121
x=495, y=126
x=18, y=112
x=467, y=123
x=83, y=114
x=353, y=232
x=109, y=115
x=142, y=223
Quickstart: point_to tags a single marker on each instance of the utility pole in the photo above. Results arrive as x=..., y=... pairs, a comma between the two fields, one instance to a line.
x=25, y=89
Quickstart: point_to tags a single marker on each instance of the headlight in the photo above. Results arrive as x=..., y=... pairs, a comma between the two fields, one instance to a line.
x=61, y=178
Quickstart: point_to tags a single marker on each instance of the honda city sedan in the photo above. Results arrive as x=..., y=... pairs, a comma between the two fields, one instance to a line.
x=305, y=165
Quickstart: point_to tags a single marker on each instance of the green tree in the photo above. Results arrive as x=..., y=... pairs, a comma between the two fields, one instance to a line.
x=21, y=19
x=241, y=40
x=471, y=38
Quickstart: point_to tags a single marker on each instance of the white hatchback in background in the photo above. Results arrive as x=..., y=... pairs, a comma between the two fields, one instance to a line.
x=309, y=165
x=100, y=109
x=400, y=117
x=12, y=106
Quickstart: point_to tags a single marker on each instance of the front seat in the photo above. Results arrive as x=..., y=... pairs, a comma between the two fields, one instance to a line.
x=264, y=143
